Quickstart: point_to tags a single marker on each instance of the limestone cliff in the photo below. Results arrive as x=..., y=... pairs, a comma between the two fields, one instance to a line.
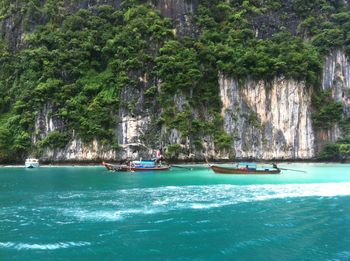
x=336, y=76
x=181, y=12
x=265, y=119
x=273, y=120
x=268, y=120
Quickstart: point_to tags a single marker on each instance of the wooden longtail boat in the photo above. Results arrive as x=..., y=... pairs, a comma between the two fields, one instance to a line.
x=226, y=170
x=249, y=169
x=135, y=167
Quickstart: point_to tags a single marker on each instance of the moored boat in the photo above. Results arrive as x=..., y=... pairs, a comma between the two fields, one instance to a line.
x=32, y=163
x=142, y=165
x=245, y=169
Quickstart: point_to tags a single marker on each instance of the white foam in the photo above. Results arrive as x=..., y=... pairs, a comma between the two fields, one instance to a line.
x=110, y=215
x=205, y=206
x=69, y=196
x=55, y=246
x=86, y=215
x=128, y=203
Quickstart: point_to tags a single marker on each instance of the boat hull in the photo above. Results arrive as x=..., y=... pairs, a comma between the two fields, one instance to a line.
x=225, y=170
x=125, y=168
x=32, y=165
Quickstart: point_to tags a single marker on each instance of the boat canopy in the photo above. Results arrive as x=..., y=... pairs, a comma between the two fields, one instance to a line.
x=249, y=164
x=144, y=162
x=32, y=160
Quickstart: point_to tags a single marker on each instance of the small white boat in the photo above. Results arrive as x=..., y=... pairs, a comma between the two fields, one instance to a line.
x=32, y=163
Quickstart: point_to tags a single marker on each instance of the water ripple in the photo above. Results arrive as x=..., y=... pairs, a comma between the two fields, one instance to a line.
x=121, y=204
x=55, y=246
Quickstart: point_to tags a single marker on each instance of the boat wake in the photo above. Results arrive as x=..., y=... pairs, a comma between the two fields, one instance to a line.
x=122, y=204
x=55, y=246
x=113, y=206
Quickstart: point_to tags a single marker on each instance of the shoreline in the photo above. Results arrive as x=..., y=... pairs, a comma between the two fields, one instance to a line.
x=199, y=163
x=181, y=161
x=173, y=161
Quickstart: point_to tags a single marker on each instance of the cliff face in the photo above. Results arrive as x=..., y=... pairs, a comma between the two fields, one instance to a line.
x=336, y=77
x=273, y=120
x=266, y=120
x=180, y=11
x=130, y=127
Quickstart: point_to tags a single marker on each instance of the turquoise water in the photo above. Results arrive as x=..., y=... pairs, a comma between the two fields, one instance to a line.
x=87, y=213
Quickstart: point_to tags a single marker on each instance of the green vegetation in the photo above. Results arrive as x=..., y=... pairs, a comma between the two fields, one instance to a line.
x=54, y=139
x=80, y=63
x=335, y=151
x=339, y=150
x=327, y=111
x=173, y=150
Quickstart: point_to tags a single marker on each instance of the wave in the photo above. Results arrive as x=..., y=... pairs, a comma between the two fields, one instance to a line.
x=147, y=201
x=70, y=196
x=111, y=215
x=89, y=215
x=55, y=246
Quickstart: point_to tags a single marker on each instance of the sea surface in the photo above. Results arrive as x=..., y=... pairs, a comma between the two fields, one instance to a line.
x=88, y=213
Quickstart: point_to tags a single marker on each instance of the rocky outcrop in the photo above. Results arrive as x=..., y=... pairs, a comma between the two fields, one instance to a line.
x=336, y=77
x=46, y=122
x=336, y=73
x=181, y=12
x=130, y=147
x=268, y=120
x=273, y=120
x=133, y=122
x=76, y=150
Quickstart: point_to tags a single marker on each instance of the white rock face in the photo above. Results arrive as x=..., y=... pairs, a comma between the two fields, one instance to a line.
x=336, y=73
x=77, y=150
x=336, y=77
x=181, y=12
x=130, y=131
x=281, y=113
x=131, y=128
x=268, y=121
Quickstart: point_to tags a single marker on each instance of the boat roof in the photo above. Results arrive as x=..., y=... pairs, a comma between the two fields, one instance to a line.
x=144, y=162
x=247, y=163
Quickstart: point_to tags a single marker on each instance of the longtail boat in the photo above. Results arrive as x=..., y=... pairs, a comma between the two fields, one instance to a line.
x=142, y=165
x=243, y=168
